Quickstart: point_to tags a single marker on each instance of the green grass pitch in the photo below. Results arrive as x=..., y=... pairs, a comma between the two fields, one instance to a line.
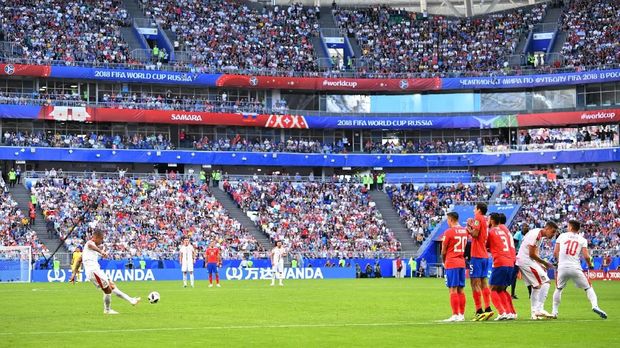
x=303, y=313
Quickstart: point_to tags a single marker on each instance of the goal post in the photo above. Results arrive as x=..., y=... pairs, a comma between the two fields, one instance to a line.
x=15, y=264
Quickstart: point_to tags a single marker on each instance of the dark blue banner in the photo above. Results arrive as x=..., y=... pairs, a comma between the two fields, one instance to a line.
x=410, y=122
x=145, y=76
x=528, y=81
x=226, y=273
x=310, y=160
x=20, y=111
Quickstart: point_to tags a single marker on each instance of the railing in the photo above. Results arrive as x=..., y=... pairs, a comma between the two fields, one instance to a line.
x=545, y=27
x=142, y=55
x=144, y=23
x=198, y=68
x=333, y=32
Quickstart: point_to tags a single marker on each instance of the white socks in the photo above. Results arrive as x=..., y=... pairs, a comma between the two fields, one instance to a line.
x=191, y=279
x=557, y=298
x=534, y=299
x=592, y=297
x=122, y=295
x=542, y=296
x=107, y=300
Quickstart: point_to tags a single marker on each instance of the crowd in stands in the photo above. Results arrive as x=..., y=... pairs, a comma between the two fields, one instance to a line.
x=227, y=35
x=88, y=141
x=15, y=226
x=141, y=217
x=402, y=42
x=593, y=33
x=422, y=208
x=223, y=34
x=66, y=30
x=328, y=219
x=592, y=200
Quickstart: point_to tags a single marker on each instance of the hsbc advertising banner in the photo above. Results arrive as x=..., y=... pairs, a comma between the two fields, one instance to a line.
x=226, y=273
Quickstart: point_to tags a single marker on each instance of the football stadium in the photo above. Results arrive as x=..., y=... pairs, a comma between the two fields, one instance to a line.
x=351, y=173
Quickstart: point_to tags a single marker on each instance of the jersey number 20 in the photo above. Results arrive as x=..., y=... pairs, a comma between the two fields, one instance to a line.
x=461, y=242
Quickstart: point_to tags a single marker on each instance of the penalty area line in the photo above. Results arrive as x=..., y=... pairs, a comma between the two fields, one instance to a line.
x=290, y=326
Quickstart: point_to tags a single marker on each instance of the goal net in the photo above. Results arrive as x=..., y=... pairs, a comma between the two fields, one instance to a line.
x=15, y=264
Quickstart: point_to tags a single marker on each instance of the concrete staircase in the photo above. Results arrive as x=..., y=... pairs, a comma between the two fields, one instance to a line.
x=129, y=36
x=326, y=19
x=133, y=7
x=355, y=46
x=236, y=213
x=393, y=221
x=22, y=196
x=553, y=15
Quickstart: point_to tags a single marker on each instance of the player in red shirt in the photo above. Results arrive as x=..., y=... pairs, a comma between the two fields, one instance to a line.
x=214, y=260
x=453, y=257
x=606, y=264
x=503, y=252
x=479, y=262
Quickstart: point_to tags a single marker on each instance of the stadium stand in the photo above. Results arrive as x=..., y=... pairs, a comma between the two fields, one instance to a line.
x=58, y=30
x=15, y=226
x=397, y=41
x=593, y=33
x=423, y=207
x=326, y=219
x=227, y=35
x=142, y=217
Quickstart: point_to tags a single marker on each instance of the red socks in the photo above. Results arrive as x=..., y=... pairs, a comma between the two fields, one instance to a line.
x=217, y=278
x=477, y=295
x=510, y=308
x=462, y=302
x=210, y=279
x=486, y=295
x=454, y=303
x=498, y=302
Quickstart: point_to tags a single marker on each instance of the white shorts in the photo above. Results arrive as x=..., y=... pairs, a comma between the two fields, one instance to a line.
x=533, y=274
x=279, y=268
x=187, y=267
x=99, y=279
x=576, y=275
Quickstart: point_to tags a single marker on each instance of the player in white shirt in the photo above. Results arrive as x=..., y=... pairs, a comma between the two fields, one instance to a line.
x=90, y=260
x=277, y=263
x=187, y=257
x=568, y=248
x=534, y=268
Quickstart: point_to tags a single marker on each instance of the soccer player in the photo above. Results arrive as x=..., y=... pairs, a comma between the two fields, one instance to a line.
x=90, y=260
x=453, y=257
x=502, y=249
x=77, y=254
x=214, y=260
x=479, y=262
x=568, y=248
x=187, y=257
x=606, y=265
x=534, y=268
x=277, y=263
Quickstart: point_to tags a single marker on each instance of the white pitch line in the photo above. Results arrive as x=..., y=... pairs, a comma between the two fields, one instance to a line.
x=288, y=326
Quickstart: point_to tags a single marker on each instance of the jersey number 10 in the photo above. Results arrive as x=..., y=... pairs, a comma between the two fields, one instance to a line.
x=571, y=247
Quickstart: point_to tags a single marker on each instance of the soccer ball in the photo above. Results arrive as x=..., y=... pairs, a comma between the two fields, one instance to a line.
x=154, y=297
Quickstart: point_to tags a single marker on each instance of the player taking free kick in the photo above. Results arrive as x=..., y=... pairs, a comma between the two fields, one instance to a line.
x=453, y=257
x=90, y=260
x=187, y=257
x=568, y=248
x=277, y=263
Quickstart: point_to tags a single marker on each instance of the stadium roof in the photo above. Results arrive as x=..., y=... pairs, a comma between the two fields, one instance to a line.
x=444, y=7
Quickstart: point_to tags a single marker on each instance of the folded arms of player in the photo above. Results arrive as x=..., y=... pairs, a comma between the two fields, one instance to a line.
x=473, y=227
